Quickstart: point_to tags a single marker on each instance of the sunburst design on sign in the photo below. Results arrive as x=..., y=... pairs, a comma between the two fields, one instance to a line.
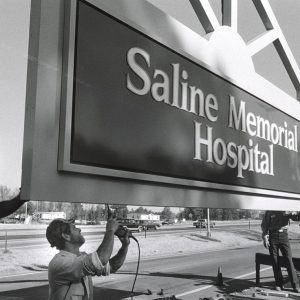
x=218, y=33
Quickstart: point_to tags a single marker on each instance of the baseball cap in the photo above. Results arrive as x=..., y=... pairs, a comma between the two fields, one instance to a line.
x=55, y=229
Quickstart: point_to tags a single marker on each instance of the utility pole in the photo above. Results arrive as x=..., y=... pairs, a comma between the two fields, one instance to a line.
x=208, y=234
x=26, y=210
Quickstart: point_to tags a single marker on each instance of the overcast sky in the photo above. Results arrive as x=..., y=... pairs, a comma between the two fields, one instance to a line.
x=14, y=30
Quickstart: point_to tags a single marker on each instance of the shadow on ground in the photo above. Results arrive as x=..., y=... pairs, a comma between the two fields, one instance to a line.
x=230, y=285
x=41, y=293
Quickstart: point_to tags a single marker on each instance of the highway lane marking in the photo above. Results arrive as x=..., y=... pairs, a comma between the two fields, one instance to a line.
x=194, y=291
x=245, y=275
x=226, y=281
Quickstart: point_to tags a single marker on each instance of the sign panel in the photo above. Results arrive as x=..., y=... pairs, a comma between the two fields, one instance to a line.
x=141, y=108
x=120, y=110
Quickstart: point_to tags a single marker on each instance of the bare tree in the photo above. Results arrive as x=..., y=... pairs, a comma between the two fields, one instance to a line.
x=5, y=193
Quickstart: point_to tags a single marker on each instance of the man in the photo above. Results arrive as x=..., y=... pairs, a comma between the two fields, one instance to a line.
x=275, y=238
x=70, y=270
x=7, y=207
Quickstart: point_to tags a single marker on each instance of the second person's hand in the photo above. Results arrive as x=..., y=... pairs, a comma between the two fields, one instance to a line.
x=266, y=242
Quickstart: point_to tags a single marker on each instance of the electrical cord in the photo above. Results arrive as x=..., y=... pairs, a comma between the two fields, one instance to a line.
x=137, y=268
x=120, y=233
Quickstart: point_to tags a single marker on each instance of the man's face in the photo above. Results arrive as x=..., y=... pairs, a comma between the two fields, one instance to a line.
x=76, y=236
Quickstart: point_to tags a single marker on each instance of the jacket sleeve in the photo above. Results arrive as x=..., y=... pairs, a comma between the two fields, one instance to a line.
x=9, y=206
x=265, y=225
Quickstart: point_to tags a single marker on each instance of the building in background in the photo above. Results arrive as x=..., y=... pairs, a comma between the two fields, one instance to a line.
x=139, y=216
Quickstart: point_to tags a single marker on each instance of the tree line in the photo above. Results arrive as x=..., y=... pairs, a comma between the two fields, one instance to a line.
x=98, y=212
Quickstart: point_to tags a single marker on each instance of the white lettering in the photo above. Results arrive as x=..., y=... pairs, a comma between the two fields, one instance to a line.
x=219, y=144
x=236, y=120
x=234, y=156
x=164, y=86
x=211, y=104
x=185, y=97
x=196, y=94
x=251, y=121
x=139, y=71
x=201, y=141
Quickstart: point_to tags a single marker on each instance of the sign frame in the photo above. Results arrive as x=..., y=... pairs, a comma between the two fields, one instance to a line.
x=65, y=163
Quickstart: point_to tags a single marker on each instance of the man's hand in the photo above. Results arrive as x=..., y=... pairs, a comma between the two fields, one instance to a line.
x=112, y=224
x=125, y=239
x=266, y=241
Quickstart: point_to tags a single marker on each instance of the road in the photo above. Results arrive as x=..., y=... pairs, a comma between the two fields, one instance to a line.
x=17, y=232
x=186, y=276
x=18, y=238
x=193, y=276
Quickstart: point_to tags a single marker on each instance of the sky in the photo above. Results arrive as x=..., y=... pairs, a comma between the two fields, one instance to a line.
x=14, y=32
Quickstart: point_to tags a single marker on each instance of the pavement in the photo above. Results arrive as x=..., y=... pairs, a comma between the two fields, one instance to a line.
x=35, y=287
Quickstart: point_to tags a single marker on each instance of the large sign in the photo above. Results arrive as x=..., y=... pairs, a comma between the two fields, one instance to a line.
x=126, y=105
x=141, y=110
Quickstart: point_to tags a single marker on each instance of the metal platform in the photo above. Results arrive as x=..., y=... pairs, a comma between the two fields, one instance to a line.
x=262, y=294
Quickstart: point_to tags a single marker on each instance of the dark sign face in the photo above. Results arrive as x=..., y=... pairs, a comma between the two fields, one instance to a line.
x=141, y=107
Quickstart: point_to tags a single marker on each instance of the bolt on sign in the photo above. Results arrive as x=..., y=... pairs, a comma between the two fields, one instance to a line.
x=134, y=109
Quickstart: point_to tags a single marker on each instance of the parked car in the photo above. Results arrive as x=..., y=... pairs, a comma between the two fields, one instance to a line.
x=91, y=222
x=138, y=225
x=132, y=224
x=9, y=221
x=202, y=223
x=148, y=225
x=168, y=222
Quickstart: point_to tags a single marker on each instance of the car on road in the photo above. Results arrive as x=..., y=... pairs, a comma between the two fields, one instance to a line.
x=168, y=222
x=148, y=225
x=202, y=223
x=139, y=225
